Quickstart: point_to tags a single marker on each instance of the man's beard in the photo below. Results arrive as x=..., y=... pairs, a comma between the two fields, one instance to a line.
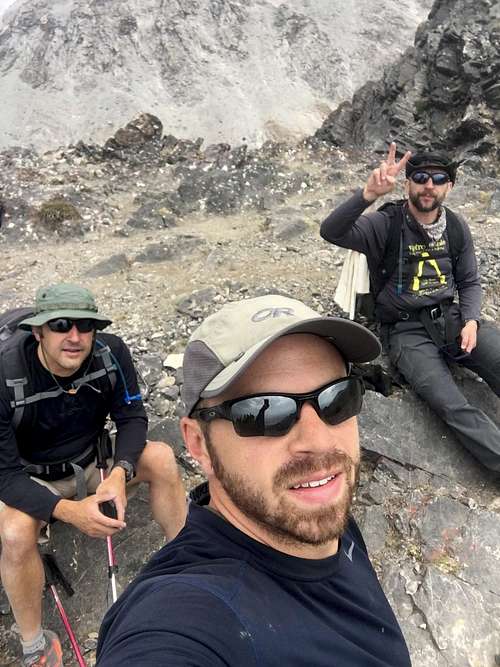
x=415, y=200
x=286, y=522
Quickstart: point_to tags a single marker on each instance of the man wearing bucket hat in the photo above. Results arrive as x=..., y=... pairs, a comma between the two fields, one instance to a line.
x=59, y=382
x=427, y=289
x=270, y=568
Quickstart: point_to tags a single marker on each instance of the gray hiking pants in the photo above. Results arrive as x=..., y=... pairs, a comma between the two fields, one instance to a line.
x=418, y=359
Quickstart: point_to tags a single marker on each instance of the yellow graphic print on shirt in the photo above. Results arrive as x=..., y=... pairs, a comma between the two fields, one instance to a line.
x=428, y=276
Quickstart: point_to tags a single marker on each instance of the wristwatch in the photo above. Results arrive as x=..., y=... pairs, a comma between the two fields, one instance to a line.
x=128, y=467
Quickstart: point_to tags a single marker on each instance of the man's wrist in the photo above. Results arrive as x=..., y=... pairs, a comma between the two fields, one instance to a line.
x=470, y=322
x=63, y=510
x=117, y=471
x=126, y=468
x=369, y=196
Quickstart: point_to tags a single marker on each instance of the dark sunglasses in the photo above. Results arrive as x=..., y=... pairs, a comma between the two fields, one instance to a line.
x=274, y=414
x=64, y=324
x=422, y=177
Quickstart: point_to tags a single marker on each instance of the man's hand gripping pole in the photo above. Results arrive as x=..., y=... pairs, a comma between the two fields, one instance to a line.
x=108, y=509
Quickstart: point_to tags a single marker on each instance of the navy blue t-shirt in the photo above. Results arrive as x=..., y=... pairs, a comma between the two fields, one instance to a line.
x=215, y=597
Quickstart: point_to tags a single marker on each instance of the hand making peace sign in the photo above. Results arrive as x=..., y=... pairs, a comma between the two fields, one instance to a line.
x=383, y=179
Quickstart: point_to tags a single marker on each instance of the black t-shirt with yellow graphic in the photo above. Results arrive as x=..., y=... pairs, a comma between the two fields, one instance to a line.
x=427, y=267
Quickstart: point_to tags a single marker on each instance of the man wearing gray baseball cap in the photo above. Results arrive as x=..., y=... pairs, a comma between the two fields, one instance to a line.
x=270, y=568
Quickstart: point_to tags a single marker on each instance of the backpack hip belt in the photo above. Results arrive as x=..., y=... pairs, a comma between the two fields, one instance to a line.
x=60, y=469
x=52, y=472
x=433, y=313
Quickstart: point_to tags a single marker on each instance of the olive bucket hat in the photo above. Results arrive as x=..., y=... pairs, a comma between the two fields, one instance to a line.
x=64, y=300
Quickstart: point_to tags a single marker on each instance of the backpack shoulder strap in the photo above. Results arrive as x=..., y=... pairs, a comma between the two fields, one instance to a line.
x=17, y=378
x=392, y=248
x=112, y=365
x=103, y=351
x=14, y=372
x=456, y=236
x=18, y=382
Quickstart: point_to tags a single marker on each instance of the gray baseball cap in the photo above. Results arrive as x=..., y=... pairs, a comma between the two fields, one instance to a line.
x=64, y=300
x=227, y=342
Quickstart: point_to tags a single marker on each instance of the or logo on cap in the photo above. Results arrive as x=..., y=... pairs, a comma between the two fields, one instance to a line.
x=267, y=313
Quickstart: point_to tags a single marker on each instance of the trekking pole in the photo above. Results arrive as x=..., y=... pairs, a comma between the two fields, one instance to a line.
x=54, y=575
x=108, y=509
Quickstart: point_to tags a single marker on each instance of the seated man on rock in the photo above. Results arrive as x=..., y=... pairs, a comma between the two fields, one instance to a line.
x=271, y=568
x=58, y=384
x=421, y=256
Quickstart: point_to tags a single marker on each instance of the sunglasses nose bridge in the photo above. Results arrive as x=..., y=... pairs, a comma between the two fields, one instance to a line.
x=310, y=400
x=430, y=181
x=73, y=331
x=299, y=404
x=427, y=182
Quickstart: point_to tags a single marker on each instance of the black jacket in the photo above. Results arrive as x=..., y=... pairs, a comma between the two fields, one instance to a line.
x=61, y=428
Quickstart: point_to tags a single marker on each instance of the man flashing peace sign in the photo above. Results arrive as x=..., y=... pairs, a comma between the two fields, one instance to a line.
x=426, y=288
x=383, y=179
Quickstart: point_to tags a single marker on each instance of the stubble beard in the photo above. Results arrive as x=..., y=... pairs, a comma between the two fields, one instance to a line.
x=286, y=523
x=71, y=366
x=60, y=365
x=415, y=200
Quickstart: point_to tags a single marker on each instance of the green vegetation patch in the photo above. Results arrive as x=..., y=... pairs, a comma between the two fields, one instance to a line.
x=54, y=212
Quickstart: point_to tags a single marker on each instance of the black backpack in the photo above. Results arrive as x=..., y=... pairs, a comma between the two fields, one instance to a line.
x=13, y=371
x=393, y=254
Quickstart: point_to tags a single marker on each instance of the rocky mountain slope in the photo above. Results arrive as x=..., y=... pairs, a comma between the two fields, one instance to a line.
x=444, y=91
x=164, y=230
x=163, y=233
x=221, y=69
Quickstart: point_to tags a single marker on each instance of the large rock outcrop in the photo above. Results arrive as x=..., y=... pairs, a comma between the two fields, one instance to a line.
x=444, y=91
x=224, y=70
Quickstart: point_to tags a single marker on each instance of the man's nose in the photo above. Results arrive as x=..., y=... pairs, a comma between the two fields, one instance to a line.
x=310, y=433
x=73, y=334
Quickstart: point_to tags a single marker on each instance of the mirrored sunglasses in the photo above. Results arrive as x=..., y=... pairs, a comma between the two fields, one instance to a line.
x=422, y=177
x=64, y=324
x=274, y=414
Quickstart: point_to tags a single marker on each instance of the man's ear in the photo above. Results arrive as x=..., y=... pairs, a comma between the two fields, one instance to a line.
x=37, y=333
x=407, y=188
x=195, y=442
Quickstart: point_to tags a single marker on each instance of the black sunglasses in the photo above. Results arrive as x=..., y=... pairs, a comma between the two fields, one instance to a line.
x=274, y=414
x=422, y=177
x=64, y=324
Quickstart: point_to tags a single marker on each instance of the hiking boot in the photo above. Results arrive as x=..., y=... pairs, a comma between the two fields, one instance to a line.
x=51, y=656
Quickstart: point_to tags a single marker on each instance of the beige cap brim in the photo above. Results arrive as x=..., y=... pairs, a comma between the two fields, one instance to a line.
x=354, y=342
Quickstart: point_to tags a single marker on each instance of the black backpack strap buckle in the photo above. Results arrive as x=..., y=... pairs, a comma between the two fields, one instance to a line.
x=19, y=400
